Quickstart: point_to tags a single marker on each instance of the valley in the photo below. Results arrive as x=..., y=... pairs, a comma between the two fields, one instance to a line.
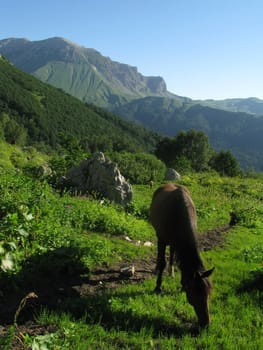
x=63, y=253
x=231, y=124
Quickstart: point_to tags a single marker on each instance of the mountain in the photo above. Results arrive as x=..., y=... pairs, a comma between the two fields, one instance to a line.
x=94, y=78
x=249, y=105
x=82, y=72
x=45, y=115
x=239, y=132
x=234, y=124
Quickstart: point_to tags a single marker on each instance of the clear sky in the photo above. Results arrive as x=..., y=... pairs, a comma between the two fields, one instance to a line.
x=202, y=48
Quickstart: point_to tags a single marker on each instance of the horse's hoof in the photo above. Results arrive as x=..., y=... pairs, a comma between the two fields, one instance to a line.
x=157, y=290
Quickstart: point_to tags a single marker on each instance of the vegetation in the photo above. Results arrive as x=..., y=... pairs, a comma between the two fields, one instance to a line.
x=139, y=168
x=225, y=164
x=34, y=113
x=54, y=247
x=45, y=237
x=238, y=132
x=191, y=147
x=234, y=124
x=191, y=151
x=82, y=72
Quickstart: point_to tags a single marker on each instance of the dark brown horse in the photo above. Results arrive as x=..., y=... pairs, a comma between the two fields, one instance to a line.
x=173, y=216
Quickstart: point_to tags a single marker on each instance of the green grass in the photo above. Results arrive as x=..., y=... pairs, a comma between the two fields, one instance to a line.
x=12, y=157
x=132, y=316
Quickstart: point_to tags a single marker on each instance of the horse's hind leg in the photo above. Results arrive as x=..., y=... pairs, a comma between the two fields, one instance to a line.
x=171, y=260
x=160, y=265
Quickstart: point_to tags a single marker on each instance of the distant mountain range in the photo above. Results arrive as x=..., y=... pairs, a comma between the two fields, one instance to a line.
x=234, y=124
x=248, y=105
x=94, y=78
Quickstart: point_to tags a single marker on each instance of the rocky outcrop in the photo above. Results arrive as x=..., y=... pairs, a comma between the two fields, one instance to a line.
x=171, y=175
x=100, y=176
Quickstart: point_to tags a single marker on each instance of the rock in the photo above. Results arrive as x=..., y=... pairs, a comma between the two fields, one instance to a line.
x=172, y=174
x=148, y=244
x=100, y=176
x=128, y=271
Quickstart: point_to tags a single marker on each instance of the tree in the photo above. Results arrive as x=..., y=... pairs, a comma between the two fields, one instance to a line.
x=225, y=164
x=194, y=145
x=189, y=145
x=165, y=150
x=11, y=131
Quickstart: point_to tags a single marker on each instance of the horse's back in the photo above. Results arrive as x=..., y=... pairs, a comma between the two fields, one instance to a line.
x=171, y=210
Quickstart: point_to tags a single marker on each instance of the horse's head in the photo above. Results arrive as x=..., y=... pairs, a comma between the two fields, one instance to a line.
x=197, y=288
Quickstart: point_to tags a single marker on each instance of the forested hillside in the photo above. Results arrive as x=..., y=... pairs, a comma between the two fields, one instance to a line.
x=233, y=124
x=35, y=113
x=241, y=133
x=64, y=258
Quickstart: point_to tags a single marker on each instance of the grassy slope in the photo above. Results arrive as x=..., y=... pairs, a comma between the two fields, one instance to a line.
x=132, y=317
x=12, y=156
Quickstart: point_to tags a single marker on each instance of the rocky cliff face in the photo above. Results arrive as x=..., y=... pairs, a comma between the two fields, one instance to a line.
x=82, y=72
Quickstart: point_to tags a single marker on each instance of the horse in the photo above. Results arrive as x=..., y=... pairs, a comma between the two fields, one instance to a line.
x=173, y=216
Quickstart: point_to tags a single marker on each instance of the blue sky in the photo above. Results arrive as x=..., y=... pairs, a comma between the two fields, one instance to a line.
x=202, y=48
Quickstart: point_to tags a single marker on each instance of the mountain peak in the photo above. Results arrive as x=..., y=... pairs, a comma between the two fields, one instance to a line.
x=82, y=72
x=60, y=40
x=13, y=42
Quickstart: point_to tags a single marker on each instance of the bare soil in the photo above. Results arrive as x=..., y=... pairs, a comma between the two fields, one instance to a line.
x=54, y=288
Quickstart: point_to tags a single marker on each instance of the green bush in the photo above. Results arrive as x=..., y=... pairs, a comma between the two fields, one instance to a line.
x=34, y=219
x=31, y=217
x=139, y=168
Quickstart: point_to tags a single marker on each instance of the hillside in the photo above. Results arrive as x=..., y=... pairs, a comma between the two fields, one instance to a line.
x=233, y=124
x=239, y=132
x=82, y=72
x=250, y=105
x=94, y=78
x=62, y=258
x=44, y=114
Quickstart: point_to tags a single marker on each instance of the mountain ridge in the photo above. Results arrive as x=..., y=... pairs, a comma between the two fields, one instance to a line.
x=108, y=83
x=251, y=105
x=241, y=133
x=233, y=124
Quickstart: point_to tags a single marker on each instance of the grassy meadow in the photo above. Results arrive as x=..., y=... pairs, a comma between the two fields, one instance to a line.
x=43, y=234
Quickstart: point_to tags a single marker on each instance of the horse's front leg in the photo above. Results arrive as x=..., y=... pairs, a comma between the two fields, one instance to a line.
x=160, y=266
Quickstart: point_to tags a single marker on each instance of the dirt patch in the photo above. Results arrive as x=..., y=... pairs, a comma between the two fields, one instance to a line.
x=107, y=279
x=213, y=238
x=61, y=283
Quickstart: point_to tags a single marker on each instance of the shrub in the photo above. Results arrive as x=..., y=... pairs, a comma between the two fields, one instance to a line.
x=139, y=168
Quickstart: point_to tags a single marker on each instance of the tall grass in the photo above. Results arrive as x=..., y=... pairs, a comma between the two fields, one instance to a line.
x=132, y=316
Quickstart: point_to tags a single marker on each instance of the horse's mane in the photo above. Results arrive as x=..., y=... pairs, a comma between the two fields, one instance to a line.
x=186, y=247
